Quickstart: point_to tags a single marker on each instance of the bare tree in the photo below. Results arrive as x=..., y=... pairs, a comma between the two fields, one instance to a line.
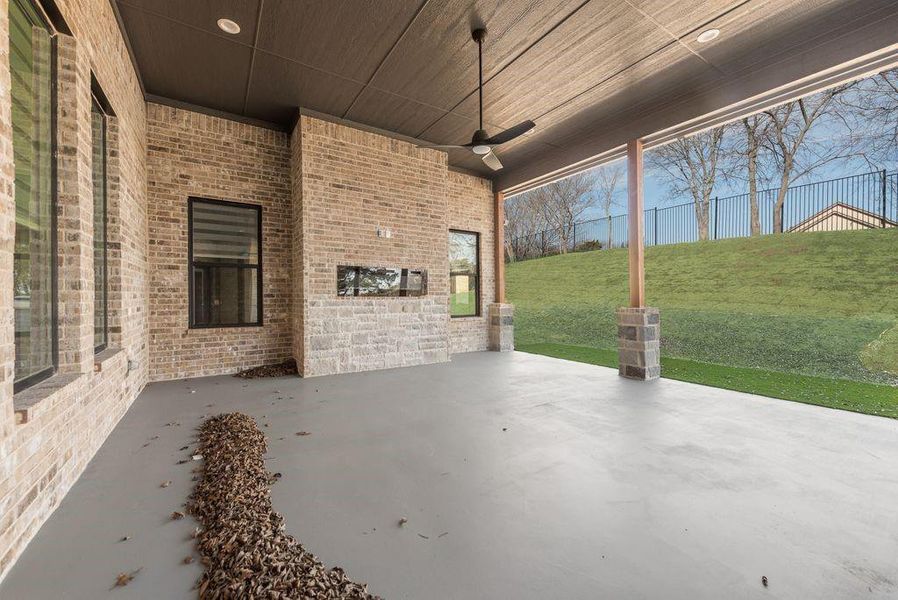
x=691, y=164
x=524, y=224
x=873, y=104
x=794, y=152
x=563, y=202
x=610, y=183
x=754, y=129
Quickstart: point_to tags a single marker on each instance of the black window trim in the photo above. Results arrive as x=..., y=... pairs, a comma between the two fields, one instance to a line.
x=95, y=99
x=48, y=372
x=191, y=264
x=476, y=235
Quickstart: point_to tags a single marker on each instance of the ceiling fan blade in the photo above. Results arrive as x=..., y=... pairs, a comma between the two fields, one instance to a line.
x=510, y=133
x=492, y=161
x=443, y=146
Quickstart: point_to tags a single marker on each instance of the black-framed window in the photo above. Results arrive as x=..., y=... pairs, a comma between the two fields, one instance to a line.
x=464, y=273
x=225, y=262
x=101, y=277
x=32, y=90
x=381, y=281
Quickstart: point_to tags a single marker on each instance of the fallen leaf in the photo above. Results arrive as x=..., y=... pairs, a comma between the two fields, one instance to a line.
x=187, y=560
x=124, y=579
x=165, y=484
x=403, y=521
x=177, y=515
x=303, y=433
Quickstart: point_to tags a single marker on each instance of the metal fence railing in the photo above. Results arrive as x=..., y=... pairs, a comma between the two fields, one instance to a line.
x=865, y=201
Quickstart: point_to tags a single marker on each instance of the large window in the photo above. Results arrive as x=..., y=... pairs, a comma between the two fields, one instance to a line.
x=98, y=137
x=34, y=277
x=225, y=264
x=464, y=274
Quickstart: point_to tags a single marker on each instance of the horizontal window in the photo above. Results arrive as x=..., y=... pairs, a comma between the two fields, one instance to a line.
x=225, y=264
x=379, y=281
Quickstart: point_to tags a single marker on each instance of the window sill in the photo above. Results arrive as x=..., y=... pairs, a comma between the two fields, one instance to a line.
x=103, y=356
x=213, y=327
x=28, y=402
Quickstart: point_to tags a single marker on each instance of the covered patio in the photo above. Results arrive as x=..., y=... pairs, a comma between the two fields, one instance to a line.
x=193, y=189
x=521, y=476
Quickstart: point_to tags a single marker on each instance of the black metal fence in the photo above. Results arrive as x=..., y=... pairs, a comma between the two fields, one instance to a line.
x=865, y=201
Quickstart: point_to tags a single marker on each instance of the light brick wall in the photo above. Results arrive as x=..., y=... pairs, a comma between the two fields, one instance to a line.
x=471, y=209
x=191, y=154
x=49, y=432
x=353, y=182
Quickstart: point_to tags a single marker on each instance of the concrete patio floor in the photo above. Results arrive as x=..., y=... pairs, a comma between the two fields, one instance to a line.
x=521, y=476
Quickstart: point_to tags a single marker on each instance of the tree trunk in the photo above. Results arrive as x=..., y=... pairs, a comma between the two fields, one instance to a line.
x=610, y=231
x=780, y=203
x=701, y=218
x=753, y=191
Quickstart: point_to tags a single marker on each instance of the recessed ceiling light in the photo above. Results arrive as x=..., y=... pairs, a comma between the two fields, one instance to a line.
x=228, y=26
x=707, y=36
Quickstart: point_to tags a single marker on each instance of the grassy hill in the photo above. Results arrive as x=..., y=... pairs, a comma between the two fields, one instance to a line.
x=814, y=304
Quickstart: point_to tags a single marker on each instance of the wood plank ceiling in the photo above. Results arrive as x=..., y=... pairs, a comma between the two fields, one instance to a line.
x=590, y=73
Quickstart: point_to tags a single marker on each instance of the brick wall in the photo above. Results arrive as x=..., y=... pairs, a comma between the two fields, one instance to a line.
x=471, y=209
x=354, y=182
x=191, y=154
x=49, y=432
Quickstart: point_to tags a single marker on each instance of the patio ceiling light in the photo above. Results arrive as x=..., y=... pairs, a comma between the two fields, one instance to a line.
x=229, y=26
x=706, y=36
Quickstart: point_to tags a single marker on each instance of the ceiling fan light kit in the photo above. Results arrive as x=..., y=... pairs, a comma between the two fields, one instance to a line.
x=482, y=144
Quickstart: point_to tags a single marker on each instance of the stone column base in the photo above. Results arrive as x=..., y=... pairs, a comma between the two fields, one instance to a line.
x=639, y=343
x=501, y=318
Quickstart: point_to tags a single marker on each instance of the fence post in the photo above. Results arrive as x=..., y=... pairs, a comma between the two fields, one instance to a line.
x=655, y=222
x=574, y=248
x=716, y=217
x=885, y=193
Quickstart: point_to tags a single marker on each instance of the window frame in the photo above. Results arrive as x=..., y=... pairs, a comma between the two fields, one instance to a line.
x=51, y=370
x=96, y=101
x=477, y=312
x=191, y=264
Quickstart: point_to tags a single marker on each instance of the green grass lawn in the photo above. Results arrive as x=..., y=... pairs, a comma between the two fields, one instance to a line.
x=816, y=305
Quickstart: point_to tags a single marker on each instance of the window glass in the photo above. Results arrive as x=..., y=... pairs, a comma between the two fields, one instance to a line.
x=225, y=233
x=379, y=281
x=98, y=134
x=31, y=90
x=464, y=274
x=225, y=265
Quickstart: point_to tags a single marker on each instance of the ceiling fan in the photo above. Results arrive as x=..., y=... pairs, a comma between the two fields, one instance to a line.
x=481, y=142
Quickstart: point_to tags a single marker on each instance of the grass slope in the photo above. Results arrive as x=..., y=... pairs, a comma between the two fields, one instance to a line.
x=811, y=318
x=813, y=304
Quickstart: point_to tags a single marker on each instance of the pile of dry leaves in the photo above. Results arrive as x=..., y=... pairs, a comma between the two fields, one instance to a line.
x=288, y=367
x=242, y=541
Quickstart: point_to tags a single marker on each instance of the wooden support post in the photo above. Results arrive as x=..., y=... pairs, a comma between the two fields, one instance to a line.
x=499, y=239
x=636, y=223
